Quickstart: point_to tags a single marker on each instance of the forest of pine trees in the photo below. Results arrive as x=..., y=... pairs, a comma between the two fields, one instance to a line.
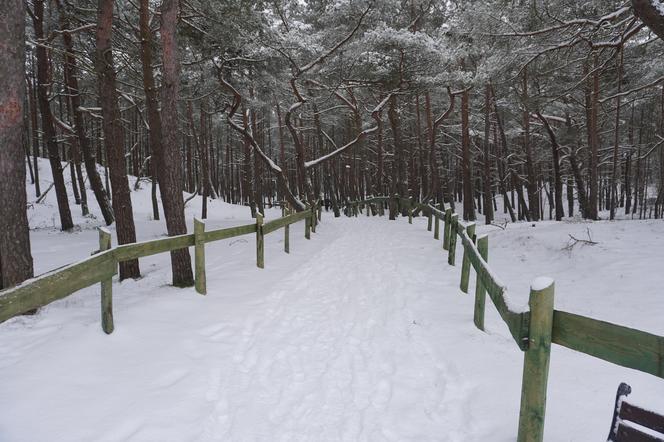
x=537, y=108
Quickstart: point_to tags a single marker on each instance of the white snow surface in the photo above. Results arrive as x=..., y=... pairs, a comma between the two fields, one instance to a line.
x=540, y=283
x=360, y=334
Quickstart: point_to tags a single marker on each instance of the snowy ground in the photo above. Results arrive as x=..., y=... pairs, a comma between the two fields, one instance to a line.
x=360, y=334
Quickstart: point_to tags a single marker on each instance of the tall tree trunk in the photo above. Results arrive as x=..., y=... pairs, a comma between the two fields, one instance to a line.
x=533, y=197
x=468, y=204
x=15, y=257
x=502, y=158
x=616, y=144
x=113, y=136
x=48, y=128
x=34, y=125
x=593, y=141
x=164, y=142
x=488, y=207
x=557, y=179
x=638, y=171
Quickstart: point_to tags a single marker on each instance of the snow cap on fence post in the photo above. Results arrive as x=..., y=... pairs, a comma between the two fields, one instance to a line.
x=536, y=362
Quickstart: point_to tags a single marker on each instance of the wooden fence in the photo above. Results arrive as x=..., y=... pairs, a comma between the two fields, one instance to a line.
x=533, y=331
x=536, y=329
x=102, y=265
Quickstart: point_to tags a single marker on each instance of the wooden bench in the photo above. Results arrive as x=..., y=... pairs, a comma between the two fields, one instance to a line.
x=630, y=421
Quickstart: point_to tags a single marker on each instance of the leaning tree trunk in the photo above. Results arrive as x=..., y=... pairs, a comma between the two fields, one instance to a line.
x=15, y=257
x=113, y=136
x=651, y=14
x=164, y=143
x=66, y=221
x=87, y=150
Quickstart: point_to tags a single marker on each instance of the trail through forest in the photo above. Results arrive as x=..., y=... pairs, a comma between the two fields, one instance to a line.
x=360, y=334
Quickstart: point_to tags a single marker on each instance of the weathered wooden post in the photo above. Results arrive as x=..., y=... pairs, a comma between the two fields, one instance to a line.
x=436, y=227
x=465, y=263
x=307, y=226
x=446, y=229
x=536, y=362
x=430, y=221
x=392, y=207
x=314, y=219
x=381, y=210
x=454, y=221
x=480, y=290
x=106, y=286
x=199, y=256
x=320, y=211
x=410, y=211
x=287, y=236
x=260, y=241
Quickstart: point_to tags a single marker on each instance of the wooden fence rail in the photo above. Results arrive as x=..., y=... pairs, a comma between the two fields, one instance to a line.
x=533, y=330
x=536, y=329
x=102, y=265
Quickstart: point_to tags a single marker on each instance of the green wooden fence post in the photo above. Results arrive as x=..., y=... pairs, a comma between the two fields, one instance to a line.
x=320, y=212
x=307, y=226
x=199, y=256
x=410, y=211
x=436, y=227
x=314, y=219
x=446, y=229
x=536, y=362
x=480, y=290
x=260, y=241
x=454, y=220
x=106, y=286
x=465, y=263
x=287, y=236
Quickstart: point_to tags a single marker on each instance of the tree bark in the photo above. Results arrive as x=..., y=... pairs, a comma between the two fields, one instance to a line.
x=468, y=203
x=34, y=125
x=15, y=257
x=533, y=199
x=557, y=179
x=616, y=144
x=164, y=141
x=650, y=15
x=66, y=221
x=113, y=136
x=592, y=95
x=488, y=207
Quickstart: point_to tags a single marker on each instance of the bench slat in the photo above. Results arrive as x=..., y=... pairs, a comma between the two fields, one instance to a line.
x=631, y=434
x=642, y=417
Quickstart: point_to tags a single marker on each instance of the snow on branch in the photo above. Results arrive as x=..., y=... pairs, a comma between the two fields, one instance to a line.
x=341, y=149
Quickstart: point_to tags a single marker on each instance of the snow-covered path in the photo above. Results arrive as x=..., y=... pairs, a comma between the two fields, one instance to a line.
x=360, y=334
x=333, y=351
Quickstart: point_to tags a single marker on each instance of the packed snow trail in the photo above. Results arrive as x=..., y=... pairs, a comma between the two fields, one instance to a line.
x=360, y=334
x=333, y=351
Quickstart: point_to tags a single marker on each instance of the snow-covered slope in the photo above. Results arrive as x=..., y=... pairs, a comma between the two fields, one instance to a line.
x=360, y=334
